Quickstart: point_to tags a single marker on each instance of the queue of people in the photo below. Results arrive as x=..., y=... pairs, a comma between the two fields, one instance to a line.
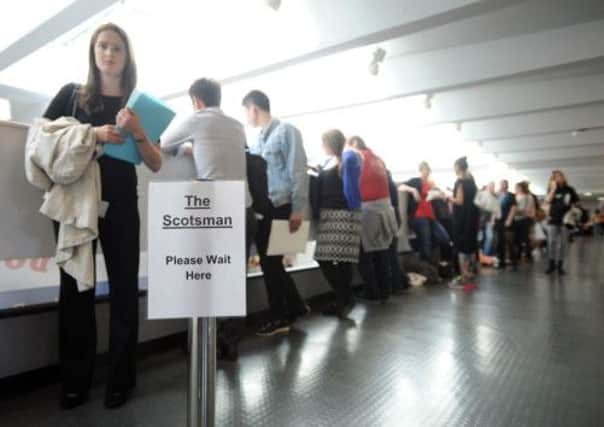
x=354, y=203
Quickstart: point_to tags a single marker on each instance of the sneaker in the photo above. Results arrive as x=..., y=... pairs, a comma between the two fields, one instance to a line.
x=274, y=328
x=468, y=287
x=561, y=270
x=551, y=267
x=456, y=283
x=344, y=312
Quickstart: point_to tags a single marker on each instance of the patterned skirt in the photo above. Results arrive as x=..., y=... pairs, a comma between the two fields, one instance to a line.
x=339, y=236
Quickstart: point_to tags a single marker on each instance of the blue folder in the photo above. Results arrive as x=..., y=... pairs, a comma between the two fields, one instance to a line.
x=155, y=117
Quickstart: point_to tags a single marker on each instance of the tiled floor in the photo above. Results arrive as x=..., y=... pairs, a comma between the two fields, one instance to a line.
x=523, y=350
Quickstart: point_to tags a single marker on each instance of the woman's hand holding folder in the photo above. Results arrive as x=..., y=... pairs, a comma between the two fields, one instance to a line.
x=128, y=119
x=108, y=134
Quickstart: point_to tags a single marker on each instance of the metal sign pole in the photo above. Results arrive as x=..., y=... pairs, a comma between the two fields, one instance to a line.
x=194, y=395
x=208, y=371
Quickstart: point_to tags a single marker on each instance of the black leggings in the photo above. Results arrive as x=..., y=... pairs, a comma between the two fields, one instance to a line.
x=339, y=277
x=376, y=273
x=119, y=237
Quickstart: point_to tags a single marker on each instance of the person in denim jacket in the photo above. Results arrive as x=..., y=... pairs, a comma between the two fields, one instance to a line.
x=280, y=144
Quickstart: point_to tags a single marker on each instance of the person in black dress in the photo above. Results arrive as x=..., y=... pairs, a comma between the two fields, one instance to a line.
x=466, y=219
x=100, y=102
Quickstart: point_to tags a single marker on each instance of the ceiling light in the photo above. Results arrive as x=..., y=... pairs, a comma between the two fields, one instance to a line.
x=273, y=4
x=378, y=56
x=588, y=194
x=428, y=101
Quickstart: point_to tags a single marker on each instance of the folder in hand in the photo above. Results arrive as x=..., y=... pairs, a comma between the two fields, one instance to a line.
x=282, y=242
x=155, y=117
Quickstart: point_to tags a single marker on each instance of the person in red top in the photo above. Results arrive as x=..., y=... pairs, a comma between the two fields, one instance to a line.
x=422, y=220
x=378, y=222
x=374, y=178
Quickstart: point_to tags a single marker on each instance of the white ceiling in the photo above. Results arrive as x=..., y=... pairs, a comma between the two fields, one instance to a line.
x=516, y=77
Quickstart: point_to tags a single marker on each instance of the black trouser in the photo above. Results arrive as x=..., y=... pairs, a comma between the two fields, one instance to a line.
x=231, y=330
x=375, y=271
x=505, y=243
x=119, y=236
x=399, y=278
x=522, y=241
x=339, y=277
x=284, y=301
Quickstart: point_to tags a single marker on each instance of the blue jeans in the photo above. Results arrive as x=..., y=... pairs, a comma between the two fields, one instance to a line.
x=429, y=233
x=488, y=247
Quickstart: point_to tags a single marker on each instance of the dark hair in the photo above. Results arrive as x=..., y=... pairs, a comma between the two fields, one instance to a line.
x=90, y=93
x=257, y=98
x=335, y=140
x=206, y=90
x=357, y=142
x=462, y=163
x=524, y=187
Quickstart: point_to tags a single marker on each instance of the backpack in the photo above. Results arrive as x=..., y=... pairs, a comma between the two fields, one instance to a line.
x=258, y=183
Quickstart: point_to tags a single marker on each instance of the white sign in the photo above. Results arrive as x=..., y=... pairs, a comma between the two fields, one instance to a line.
x=196, y=249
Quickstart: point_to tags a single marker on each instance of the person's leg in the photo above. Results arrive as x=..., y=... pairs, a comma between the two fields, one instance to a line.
x=368, y=274
x=77, y=339
x=525, y=242
x=381, y=261
x=231, y=330
x=345, y=274
x=467, y=262
x=330, y=270
x=294, y=303
x=518, y=241
x=487, y=244
x=501, y=243
x=553, y=237
x=528, y=249
x=421, y=227
x=440, y=237
x=398, y=282
x=119, y=233
x=271, y=269
x=510, y=235
x=563, y=249
x=285, y=302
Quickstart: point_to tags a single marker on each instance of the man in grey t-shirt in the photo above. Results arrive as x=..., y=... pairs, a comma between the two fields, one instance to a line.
x=217, y=143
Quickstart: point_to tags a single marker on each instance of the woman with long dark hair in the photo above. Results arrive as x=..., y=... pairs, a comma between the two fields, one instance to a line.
x=337, y=206
x=100, y=103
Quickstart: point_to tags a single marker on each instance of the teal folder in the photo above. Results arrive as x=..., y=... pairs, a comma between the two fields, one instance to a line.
x=155, y=117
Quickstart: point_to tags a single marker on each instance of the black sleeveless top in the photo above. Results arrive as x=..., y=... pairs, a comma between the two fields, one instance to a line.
x=118, y=178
